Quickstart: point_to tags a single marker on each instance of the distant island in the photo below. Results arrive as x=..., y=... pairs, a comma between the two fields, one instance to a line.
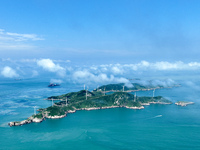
x=183, y=103
x=53, y=85
x=97, y=99
x=131, y=88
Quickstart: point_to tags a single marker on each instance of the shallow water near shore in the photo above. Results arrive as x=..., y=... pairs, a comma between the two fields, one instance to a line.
x=155, y=127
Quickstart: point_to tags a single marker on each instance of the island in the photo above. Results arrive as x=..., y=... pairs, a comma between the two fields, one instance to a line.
x=183, y=103
x=132, y=87
x=90, y=100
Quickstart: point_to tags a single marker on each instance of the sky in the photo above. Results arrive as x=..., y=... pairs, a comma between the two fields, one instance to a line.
x=107, y=38
x=114, y=31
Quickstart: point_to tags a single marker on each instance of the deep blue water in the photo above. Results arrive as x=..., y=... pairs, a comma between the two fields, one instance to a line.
x=155, y=127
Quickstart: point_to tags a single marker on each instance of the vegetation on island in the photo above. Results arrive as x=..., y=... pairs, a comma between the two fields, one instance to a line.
x=131, y=87
x=119, y=87
x=39, y=115
x=96, y=99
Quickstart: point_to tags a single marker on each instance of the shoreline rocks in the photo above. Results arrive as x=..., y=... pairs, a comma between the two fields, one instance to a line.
x=56, y=117
x=182, y=103
x=141, y=107
x=27, y=121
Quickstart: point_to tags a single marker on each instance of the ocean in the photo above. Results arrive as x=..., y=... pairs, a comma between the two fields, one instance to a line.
x=157, y=127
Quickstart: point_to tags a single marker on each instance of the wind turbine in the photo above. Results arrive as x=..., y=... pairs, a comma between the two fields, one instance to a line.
x=135, y=97
x=84, y=86
x=34, y=110
x=153, y=92
x=123, y=88
x=104, y=91
x=52, y=102
x=86, y=95
x=66, y=101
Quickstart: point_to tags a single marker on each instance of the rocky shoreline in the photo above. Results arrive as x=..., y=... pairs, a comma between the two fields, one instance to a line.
x=27, y=121
x=182, y=103
x=38, y=120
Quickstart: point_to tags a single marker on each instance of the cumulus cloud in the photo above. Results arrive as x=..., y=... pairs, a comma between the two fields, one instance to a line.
x=145, y=65
x=86, y=76
x=116, y=70
x=164, y=65
x=164, y=83
x=8, y=72
x=49, y=65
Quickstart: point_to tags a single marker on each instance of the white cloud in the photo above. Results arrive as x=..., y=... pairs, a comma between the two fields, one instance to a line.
x=163, y=65
x=86, y=76
x=194, y=64
x=49, y=65
x=9, y=72
x=164, y=83
x=10, y=36
x=10, y=40
x=116, y=70
x=93, y=68
x=179, y=65
x=145, y=65
x=15, y=46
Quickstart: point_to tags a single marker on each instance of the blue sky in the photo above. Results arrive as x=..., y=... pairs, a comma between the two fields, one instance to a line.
x=101, y=41
x=96, y=31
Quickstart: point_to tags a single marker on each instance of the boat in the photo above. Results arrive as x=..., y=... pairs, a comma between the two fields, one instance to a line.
x=53, y=84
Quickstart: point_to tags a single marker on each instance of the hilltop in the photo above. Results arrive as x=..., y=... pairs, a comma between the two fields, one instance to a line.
x=130, y=88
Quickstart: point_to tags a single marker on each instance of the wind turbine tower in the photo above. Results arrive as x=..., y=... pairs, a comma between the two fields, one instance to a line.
x=153, y=92
x=52, y=102
x=104, y=91
x=66, y=101
x=86, y=95
x=84, y=86
x=135, y=97
x=123, y=88
x=34, y=110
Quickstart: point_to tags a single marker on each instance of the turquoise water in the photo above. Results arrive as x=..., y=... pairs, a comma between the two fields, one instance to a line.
x=155, y=127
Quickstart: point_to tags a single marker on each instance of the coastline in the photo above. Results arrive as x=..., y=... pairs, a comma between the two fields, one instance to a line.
x=182, y=103
x=38, y=120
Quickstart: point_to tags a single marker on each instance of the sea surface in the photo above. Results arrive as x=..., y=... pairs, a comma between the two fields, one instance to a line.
x=157, y=127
